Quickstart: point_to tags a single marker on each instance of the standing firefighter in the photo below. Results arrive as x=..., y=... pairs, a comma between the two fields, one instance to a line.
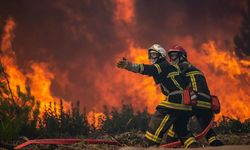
x=199, y=91
x=171, y=110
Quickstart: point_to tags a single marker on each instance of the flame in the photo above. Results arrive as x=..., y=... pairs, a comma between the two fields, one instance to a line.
x=96, y=119
x=16, y=77
x=40, y=76
x=128, y=87
x=227, y=77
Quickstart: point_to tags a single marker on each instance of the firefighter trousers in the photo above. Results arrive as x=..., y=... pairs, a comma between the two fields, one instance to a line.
x=162, y=120
x=204, y=117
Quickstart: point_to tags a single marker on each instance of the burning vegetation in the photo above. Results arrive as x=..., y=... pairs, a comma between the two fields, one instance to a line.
x=29, y=107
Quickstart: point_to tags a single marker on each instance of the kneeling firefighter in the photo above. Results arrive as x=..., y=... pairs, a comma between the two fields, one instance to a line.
x=199, y=92
x=171, y=110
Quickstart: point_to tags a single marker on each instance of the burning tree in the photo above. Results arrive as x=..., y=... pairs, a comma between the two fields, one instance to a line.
x=17, y=113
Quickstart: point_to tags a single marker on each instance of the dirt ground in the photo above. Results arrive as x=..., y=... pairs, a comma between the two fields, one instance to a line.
x=133, y=140
x=227, y=147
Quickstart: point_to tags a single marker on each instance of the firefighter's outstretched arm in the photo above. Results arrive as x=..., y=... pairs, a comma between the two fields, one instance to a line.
x=125, y=64
x=150, y=70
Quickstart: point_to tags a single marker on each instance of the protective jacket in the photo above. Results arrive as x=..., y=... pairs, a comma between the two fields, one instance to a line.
x=197, y=82
x=171, y=81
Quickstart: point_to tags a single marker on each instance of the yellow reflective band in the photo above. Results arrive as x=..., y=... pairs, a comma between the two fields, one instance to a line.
x=188, y=144
x=211, y=139
x=171, y=132
x=158, y=68
x=165, y=119
x=203, y=104
x=175, y=105
x=191, y=75
x=176, y=83
x=171, y=128
x=152, y=137
x=189, y=141
x=177, y=67
x=141, y=68
x=193, y=82
x=194, y=73
x=164, y=88
x=171, y=74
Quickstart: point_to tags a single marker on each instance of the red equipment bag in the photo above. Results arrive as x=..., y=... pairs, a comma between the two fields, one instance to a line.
x=187, y=97
x=215, y=104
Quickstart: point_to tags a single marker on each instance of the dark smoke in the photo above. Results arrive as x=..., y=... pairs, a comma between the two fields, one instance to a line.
x=77, y=38
x=203, y=20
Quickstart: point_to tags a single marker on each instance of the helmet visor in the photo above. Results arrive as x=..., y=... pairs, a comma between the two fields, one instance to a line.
x=153, y=54
x=173, y=56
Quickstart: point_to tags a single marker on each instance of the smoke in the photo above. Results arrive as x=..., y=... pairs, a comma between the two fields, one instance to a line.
x=202, y=20
x=81, y=39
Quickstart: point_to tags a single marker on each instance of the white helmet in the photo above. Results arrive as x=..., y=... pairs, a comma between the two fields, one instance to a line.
x=158, y=48
x=156, y=53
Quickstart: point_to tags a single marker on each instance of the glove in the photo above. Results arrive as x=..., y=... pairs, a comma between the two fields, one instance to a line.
x=124, y=64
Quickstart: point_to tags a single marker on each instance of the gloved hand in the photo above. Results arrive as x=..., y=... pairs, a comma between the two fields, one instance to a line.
x=124, y=63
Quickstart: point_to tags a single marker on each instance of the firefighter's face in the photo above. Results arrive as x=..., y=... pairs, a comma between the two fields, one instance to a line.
x=174, y=58
x=153, y=56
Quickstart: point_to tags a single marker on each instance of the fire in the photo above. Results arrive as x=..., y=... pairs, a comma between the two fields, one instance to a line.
x=40, y=84
x=39, y=79
x=16, y=77
x=227, y=76
x=127, y=87
x=96, y=119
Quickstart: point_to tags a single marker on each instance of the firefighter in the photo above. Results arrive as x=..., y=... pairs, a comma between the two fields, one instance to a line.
x=171, y=110
x=199, y=92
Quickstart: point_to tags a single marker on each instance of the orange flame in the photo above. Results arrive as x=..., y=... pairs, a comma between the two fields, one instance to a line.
x=126, y=86
x=40, y=77
x=96, y=119
x=227, y=77
x=8, y=57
